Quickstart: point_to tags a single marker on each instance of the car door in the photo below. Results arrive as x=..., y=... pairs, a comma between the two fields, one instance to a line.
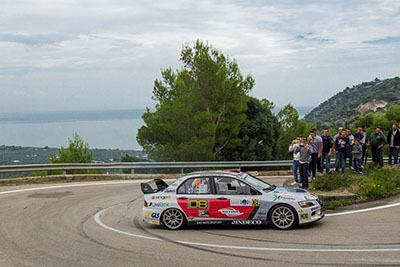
x=234, y=199
x=195, y=197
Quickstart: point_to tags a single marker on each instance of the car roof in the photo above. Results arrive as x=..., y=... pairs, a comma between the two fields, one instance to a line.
x=235, y=173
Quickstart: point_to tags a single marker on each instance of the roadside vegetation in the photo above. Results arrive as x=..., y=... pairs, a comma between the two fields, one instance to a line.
x=374, y=183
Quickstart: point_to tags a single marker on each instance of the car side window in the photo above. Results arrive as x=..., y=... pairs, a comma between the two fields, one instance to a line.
x=231, y=186
x=195, y=186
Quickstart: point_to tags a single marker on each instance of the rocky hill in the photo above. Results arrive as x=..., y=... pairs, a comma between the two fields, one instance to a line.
x=374, y=96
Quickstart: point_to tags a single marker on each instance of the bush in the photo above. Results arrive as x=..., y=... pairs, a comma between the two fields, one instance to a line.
x=333, y=182
x=39, y=173
x=375, y=183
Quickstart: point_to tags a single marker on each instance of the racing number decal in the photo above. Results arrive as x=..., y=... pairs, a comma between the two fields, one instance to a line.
x=198, y=204
x=198, y=182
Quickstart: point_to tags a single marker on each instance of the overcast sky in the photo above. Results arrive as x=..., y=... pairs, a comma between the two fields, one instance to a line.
x=106, y=54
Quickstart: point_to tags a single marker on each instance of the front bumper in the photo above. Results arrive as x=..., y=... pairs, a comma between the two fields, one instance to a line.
x=310, y=215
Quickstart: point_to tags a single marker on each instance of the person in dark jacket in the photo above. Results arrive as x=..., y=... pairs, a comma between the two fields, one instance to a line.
x=376, y=141
x=326, y=150
x=393, y=140
x=340, y=147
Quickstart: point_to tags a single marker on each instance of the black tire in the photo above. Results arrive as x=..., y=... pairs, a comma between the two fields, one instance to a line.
x=173, y=219
x=283, y=217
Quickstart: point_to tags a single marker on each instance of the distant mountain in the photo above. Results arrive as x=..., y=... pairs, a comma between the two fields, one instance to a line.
x=302, y=110
x=374, y=96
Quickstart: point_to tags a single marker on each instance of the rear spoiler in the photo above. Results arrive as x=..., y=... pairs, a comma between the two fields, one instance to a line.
x=147, y=189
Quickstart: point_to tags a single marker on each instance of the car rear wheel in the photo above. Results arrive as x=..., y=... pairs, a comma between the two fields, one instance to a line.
x=173, y=219
x=283, y=217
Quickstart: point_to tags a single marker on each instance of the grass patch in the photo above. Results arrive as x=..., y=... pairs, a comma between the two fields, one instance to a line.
x=374, y=183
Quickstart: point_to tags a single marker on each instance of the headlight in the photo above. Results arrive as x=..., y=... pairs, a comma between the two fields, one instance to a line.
x=308, y=203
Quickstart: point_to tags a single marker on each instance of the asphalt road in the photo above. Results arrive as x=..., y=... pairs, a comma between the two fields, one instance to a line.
x=98, y=224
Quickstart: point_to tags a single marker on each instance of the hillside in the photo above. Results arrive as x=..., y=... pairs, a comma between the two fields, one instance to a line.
x=10, y=155
x=374, y=96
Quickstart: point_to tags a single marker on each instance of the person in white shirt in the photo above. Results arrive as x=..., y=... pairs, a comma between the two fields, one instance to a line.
x=296, y=157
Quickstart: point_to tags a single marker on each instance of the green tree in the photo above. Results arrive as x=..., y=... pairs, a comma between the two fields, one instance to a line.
x=77, y=152
x=291, y=126
x=259, y=133
x=199, y=108
x=393, y=113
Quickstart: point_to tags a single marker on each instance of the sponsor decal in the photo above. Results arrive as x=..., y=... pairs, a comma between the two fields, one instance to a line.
x=198, y=204
x=230, y=212
x=153, y=215
x=191, y=218
x=155, y=222
x=276, y=197
x=161, y=197
x=204, y=213
x=158, y=205
x=240, y=202
x=304, y=216
x=255, y=202
x=287, y=198
x=306, y=198
x=246, y=222
x=209, y=222
x=169, y=190
x=301, y=211
x=146, y=188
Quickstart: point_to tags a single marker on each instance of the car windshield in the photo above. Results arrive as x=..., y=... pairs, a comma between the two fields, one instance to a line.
x=256, y=182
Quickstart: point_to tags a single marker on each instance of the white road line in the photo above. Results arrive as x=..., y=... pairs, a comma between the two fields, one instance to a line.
x=70, y=185
x=363, y=210
x=100, y=213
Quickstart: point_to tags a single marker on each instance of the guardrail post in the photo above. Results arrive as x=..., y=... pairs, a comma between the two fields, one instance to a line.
x=133, y=171
x=64, y=172
x=182, y=171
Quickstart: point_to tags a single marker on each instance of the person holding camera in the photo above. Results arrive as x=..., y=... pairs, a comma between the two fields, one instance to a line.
x=304, y=151
x=295, y=166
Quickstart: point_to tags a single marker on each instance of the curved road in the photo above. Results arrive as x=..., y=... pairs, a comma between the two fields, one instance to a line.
x=98, y=224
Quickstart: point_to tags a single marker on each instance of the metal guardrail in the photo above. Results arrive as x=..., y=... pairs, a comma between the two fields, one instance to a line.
x=145, y=165
x=141, y=165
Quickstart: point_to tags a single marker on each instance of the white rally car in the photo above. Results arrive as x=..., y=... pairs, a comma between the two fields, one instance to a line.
x=234, y=197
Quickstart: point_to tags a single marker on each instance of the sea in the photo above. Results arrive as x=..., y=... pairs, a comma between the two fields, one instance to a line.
x=107, y=129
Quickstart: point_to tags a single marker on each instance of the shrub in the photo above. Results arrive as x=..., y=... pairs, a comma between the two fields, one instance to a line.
x=39, y=173
x=332, y=182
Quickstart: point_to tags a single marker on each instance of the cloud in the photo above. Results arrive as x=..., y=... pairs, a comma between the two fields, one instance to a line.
x=128, y=41
x=383, y=41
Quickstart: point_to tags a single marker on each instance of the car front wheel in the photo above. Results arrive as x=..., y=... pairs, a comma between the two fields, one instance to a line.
x=173, y=219
x=283, y=217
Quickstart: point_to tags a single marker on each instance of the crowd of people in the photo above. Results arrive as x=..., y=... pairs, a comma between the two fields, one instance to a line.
x=313, y=153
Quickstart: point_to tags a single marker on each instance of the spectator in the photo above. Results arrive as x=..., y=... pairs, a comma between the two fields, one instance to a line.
x=357, y=155
x=295, y=165
x=340, y=148
x=315, y=147
x=340, y=130
x=349, y=147
x=305, y=151
x=393, y=139
x=326, y=150
x=319, y=138
x=365, y=144
x=376, y=141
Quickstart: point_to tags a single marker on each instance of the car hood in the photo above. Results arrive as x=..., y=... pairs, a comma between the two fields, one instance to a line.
x=298, y=193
